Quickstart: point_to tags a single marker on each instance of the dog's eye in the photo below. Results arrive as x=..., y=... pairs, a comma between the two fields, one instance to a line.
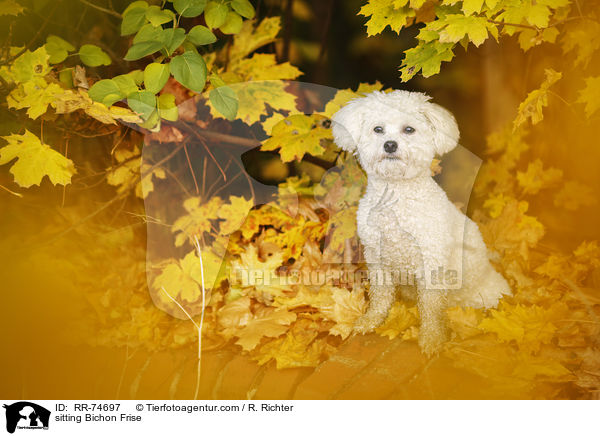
x=378, y=129
x=409, y=130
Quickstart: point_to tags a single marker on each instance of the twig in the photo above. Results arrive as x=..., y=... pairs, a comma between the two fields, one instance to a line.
x=187, y=156
x=325, y=33
x=100, y=8
x=11, y=192
x=524, y=26
x=287, y=30
x=32, y=40
x=253, y=143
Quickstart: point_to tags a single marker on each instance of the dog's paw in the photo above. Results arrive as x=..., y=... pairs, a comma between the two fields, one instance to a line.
x=431, y=343
x=366, y=323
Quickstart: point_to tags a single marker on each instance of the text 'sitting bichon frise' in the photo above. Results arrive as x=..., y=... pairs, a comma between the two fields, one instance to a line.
x=405, y=222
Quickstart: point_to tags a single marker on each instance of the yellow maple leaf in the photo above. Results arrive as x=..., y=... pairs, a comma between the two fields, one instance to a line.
x=197, y=220
x=263, y=67
x=234, y=214
x=529, y=326
x=341, y=227
x=30, y=65
x=298, y=348
x=590, y=95
x=35, y=160
x=583, y=38
x=385, y=13
x=399, y=319
x=346, y=308
x=270, y=122
x=588, y=252
x=32, y=91
x=511, y=143
x=251, y=38
x=532, y=367
x=297, y=135
x=126, y=175
x=532, y=106
x=464, y=321
x=574, y=195
x=236, y=320
x=254, y=97
x=259, y=279
x=317, y=297
x=35, y=95
x=68, y=101
x=343, y=96
x=557, y=266
x=495, y=203
x=182, y=279
x=513, y=232
x=537, y=178
x=495, y=176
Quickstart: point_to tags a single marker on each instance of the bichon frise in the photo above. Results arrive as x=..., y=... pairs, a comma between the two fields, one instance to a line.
x=414, y=238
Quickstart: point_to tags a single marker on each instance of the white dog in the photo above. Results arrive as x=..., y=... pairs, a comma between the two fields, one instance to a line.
x=408, y=227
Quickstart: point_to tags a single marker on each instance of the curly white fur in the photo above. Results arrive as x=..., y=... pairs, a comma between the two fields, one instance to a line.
x=414, y=238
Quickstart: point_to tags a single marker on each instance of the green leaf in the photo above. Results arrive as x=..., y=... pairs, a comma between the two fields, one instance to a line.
x=35, y=161
x=233, y=24
x=215, y=14
x=172, y=39
x=93, y=56
x=136, y=4
x=141, y=49
x=155, y=77
x=189, y=69
x=167, y=107
x=189, y=8
x=153, y=122
x=105, y=91
x=66, y=77
x=57, y=48
x=137, y=76
x=244, y=8
x=201, y=35
x=142, y=103
x=148, y=33
x=133, y=20
x=225, y=101
x=158, y=16
x=126, y=83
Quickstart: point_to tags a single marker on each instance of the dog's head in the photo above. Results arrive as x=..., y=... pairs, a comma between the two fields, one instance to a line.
x=395, y=135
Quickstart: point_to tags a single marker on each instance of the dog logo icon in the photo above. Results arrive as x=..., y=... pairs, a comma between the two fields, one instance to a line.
x=26, y=415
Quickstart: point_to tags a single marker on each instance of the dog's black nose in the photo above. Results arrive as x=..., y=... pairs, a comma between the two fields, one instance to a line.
x=390, y=146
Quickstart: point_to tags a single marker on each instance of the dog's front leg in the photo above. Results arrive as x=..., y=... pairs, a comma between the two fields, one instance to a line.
x=432, y=333
x=381, y=291
x=381, y=298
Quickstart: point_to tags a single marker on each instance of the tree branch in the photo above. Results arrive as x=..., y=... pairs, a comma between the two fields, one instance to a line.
x=249, y=143
x=100, y=8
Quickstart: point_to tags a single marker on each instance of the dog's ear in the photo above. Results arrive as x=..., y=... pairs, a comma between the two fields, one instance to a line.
x=444, y=126
x=347, y=124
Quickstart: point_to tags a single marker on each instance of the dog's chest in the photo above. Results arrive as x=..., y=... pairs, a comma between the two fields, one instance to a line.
x=406, y=218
